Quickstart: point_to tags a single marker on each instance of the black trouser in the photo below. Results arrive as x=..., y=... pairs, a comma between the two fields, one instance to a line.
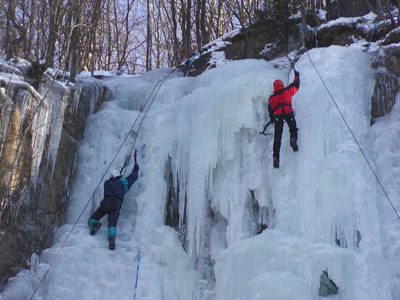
x=110, y=206
x=291, y=121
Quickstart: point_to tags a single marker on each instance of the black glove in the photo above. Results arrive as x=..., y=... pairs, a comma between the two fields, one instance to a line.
x=296, y=74
x=136, y=167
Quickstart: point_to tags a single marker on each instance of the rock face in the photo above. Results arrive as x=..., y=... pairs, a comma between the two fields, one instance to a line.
x=255, y=42
x=387, y=81
x=39, y=134
x=353, y=8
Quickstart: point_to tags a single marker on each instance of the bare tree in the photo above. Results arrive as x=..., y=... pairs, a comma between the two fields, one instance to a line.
x=13, y=29
x=148, y=37
x=55, y=16
x=303, y=15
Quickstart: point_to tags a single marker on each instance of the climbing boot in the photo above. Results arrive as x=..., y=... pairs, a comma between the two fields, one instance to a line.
x=276, y=163
x=95, y=227
x=293, y=144
x=111, y=243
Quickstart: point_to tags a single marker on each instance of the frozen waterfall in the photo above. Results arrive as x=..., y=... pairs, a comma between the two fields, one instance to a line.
x=200, y=150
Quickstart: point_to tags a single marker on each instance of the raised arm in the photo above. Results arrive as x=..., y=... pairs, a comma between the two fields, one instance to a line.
x=295, y=85
x=128, y=181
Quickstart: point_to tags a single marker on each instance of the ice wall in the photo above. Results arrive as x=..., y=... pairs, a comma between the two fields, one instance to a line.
x=321, y=204
x=325, y=196
x=200, y=151
x=386, y=135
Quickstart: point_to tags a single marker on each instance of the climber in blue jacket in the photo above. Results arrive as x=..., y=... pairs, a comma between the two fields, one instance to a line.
x=115, y=189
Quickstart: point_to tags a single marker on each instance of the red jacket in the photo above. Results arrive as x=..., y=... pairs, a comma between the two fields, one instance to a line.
x=280, y=102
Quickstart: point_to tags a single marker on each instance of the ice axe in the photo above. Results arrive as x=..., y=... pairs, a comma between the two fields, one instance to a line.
x=291, y=63
x=135, y=156
x=126, y=163
x=265, y=127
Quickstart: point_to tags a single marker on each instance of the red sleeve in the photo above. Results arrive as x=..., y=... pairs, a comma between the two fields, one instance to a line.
x=294, y=86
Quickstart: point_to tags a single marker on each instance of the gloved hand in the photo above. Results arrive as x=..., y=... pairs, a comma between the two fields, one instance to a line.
x=136, y=167
x=296, y=74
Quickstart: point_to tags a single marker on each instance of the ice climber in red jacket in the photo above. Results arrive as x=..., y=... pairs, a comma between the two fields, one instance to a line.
x=280, y=110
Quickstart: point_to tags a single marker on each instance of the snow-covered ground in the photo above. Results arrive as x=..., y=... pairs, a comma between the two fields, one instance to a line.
x=320, y=202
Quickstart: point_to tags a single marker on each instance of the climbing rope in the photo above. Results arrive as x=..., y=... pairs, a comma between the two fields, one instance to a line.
x=156, y=89
x=370, y=39
x=316, y=36
x=137, y=273
x=190, y=63
x=157, y=86
x=355, y=139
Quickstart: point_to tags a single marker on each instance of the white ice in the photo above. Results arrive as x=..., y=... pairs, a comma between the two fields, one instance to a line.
x=321, y=197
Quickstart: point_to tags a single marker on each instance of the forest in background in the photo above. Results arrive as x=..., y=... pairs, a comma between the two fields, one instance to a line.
x=135, y=35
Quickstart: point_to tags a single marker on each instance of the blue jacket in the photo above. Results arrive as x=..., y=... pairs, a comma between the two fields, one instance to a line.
x=117, y=188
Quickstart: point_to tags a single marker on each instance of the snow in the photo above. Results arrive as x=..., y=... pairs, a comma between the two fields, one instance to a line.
x=7, y=77
x=366, y=22
x=8, y=67
x=96, y=73
x=218, y=58
x=316, y=204
x=220, y=42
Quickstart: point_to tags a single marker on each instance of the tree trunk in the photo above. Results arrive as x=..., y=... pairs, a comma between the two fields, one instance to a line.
x=314, y=13
x=187, y=46
x=219, y=19
x=203, y=28
x=75, y=37
x=148, y=38
x=7, y=41
x=174, y=32
x=303, y=16
x=12, y=42
x=54, y=18
x=380, y=9
x=197, y=23
x=95, y=23
x=109, y=36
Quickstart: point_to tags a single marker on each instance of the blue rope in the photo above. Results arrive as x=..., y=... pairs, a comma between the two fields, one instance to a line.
x=137, y=273
x=190, y=63
x=370, y=39
x=315, y=35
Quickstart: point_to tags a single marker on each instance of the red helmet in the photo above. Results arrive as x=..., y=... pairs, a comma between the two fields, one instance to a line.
x=278, y=84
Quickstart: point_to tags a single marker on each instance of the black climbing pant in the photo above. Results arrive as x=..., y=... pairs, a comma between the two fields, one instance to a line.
x=291, y=121
x=110, y=206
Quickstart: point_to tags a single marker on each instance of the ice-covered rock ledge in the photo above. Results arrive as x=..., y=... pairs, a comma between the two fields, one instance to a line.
x=39, y=134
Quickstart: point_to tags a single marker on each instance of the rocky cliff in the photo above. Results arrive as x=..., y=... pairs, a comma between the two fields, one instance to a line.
x=39, y=134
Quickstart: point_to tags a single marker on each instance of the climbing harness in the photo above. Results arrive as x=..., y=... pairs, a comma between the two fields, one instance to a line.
x=137, y=273
x=148, y=103
x=282, y=107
